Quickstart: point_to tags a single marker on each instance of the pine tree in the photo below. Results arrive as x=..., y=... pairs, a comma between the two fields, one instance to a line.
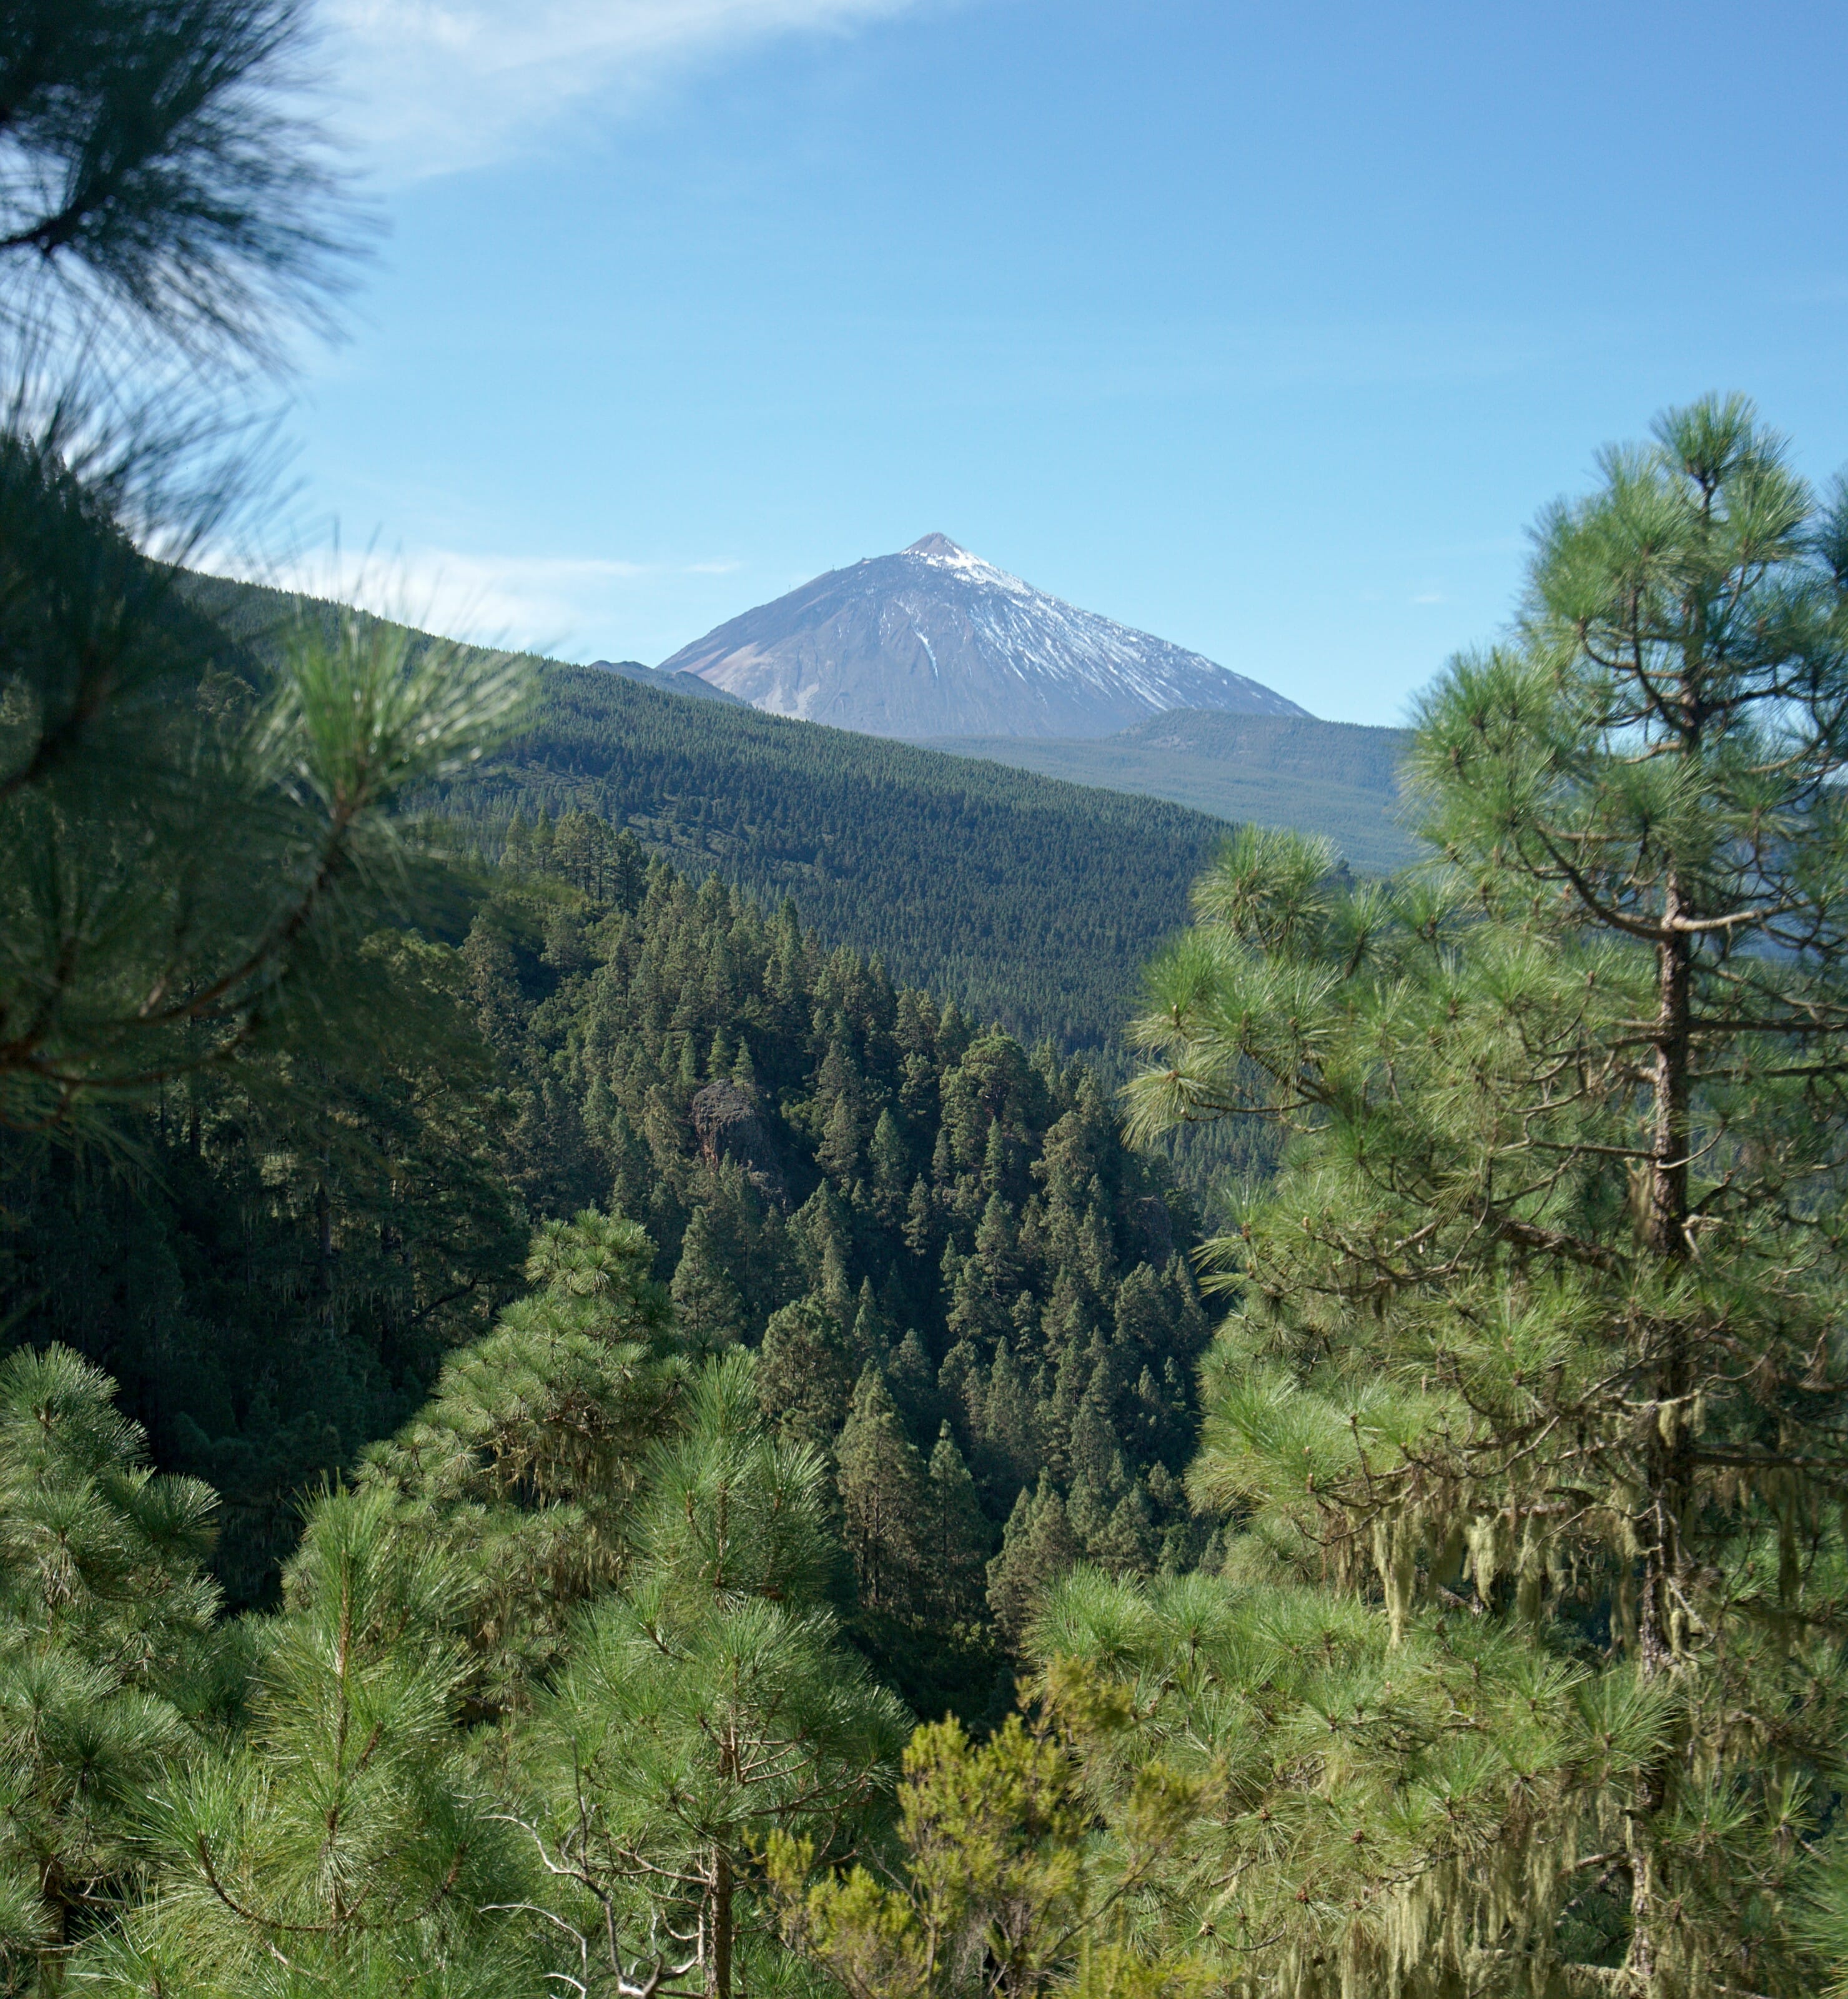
x=956, y=1540
x=913, y=1382
x=1036, y=1549
x=1538, y=1317
x=805, y=1375
x=890, y=1161
x=192, y=847
x=163, y=183
x=341, y=1843
x=1006, y=1424
x=882, y=1487
x=708, y=1705
x=869, y=1338
x=708, y=1311
x=111, y=1675
x=920, y=1219
x=1006, y=1890
x=119, y=778
x=525, y=1465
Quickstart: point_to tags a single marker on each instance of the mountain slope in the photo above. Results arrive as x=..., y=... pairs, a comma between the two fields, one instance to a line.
x=1336, y=778
x=1030, y=902
x=933, y=641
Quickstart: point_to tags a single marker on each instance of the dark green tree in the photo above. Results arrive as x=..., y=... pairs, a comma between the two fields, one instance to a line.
x=708, y=1311
x=882, y=1486
x=806, y=1374
x=1037, y=1548
x=955, y=1539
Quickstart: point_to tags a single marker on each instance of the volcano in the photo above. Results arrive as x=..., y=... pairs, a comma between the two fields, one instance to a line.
x=933, y=641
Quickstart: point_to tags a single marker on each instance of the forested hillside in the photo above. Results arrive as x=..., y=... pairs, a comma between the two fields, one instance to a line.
x=1030, y=902
x=867, y=1183
x=1338, y=779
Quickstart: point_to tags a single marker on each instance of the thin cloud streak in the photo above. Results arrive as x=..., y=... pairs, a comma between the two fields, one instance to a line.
x=537, y=603
x=438, y=86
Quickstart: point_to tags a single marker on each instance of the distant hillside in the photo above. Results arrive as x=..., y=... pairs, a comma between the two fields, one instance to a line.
x=933, y=641
x=1029, y=902
x=669, y=683
x=1332, y=777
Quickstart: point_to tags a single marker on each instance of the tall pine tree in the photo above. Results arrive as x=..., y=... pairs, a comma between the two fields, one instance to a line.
x=1540, y=1318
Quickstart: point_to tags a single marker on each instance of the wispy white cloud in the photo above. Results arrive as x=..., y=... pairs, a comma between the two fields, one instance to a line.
x=546, y=604
x=437, y=86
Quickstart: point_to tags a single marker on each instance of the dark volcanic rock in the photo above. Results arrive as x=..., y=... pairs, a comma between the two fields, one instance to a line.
x=728, y=1125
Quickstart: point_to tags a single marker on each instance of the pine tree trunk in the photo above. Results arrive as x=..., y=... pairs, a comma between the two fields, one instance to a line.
x=1668, y=1460
x=721, y=1925
x=1667, y=1220
x=1668, y=1465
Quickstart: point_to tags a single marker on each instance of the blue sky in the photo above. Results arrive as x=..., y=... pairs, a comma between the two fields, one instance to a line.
x=1267, y=329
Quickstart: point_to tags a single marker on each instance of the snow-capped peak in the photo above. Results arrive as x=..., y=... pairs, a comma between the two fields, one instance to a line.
x=934, y=641
x=941, y=552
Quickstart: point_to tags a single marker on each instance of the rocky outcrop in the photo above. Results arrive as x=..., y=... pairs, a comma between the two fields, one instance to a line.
x=729, y=1125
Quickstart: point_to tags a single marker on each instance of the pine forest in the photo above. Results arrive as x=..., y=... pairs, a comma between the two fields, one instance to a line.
x=647, y=1352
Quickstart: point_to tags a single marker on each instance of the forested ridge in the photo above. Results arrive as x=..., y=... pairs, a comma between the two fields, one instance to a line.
x=1336, y=779
x=1029, y=901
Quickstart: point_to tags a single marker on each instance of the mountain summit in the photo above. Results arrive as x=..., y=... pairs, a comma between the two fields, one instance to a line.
x=933, y=641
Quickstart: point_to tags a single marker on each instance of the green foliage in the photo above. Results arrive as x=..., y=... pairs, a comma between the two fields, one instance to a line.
x=884, y=1499
x=342, y=1840
x=1006, y=1889
x=155, y=178
x=710, y=1311
x=197, y=843
x=707, y=1706
x=322, y=1796
x=108, y=1674
x=1036, y=1549
x=137, y=942
x=524, y=1466
x=842, y=1173
x=1434, y=1812
x=1539, y=1318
